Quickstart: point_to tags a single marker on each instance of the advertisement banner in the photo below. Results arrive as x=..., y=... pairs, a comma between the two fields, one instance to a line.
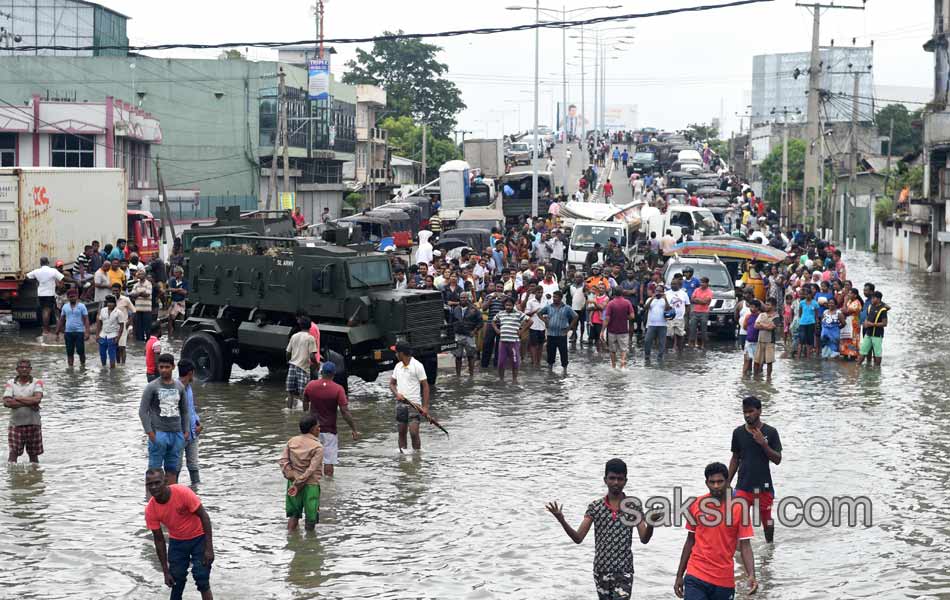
x=287, y=200
x=318, y=87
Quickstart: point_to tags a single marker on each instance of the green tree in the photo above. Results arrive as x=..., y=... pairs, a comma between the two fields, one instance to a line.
x=413, y=79
x=702, y=132
x=771, y=171
x=907, y=138
x=231, y=54
x=405, y=139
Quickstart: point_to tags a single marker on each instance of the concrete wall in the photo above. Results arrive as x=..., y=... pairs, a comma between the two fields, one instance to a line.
x=208, y=109
x=910, y=246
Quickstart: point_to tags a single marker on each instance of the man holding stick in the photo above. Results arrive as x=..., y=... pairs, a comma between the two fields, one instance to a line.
x=410, y=386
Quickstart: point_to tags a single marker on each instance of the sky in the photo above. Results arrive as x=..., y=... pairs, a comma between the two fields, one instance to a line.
x=677, y=69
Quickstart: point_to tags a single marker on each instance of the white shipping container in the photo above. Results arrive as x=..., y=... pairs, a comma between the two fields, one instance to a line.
x=55, y=212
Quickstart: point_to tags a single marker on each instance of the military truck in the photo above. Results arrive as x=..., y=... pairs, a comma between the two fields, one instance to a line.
x=247, y=291
x=230, y=219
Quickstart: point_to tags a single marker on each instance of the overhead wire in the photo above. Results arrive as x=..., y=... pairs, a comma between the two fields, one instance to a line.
x=401, y=36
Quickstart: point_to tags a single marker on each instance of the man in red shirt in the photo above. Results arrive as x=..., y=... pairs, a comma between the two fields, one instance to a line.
x=325, y=396
x=699, y=317
x=189, y=532
x=617, y=316
x=717, y=525
x=153, y=348
x=608, y=190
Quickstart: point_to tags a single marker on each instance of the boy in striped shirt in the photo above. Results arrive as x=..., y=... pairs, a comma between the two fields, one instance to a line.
x=508, y=326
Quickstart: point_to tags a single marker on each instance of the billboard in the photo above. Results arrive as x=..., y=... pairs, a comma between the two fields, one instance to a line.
x=318, y=86
x=574, y=123
x=621, y=116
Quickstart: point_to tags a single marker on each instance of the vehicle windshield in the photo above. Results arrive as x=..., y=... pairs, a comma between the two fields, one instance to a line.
x=643, y=156
x=519, y=147
x=719, y=278
x=706, y=223
x=585, y=236
x=369, y=273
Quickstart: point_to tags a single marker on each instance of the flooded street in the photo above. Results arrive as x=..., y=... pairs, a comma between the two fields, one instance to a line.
x=466, y=518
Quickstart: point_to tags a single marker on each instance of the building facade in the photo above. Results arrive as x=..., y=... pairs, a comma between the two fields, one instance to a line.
x=70, y=23
x=780, y=81
x=937, y=150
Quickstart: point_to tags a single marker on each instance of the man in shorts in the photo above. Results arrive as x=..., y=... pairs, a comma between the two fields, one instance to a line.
x=679, y=300
x=751, y=337
x=178, y=287
x=302, y=465
x=301, y=353
x=409, y=384
x=467, y=320
x=324, y=397
x=164, y=415
x=617, y=317
x=189, y=534
x=872, y=342
x=614, y=517
x=508, y=325
x=123, y=302
x=755, y=445
x=765, y=346
x=22, y=395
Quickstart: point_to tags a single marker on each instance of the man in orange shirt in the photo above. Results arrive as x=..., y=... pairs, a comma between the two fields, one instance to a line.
x=717, y=524
x=189, y=532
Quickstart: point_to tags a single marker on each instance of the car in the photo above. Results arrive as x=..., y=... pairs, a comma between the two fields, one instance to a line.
x=643, y=162
x=722, y=316
x=520, y=153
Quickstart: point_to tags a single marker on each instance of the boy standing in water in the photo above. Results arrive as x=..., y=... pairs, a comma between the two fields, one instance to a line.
x=613, y=534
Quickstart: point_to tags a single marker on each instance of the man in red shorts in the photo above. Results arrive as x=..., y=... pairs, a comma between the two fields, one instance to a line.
x=754, y=446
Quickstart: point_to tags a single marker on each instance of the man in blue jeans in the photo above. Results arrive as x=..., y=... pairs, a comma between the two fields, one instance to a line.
x=74, y=319
x=164, y=414
x=189, y=534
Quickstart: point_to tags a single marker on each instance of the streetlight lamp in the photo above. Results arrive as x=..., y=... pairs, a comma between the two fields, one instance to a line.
x=537, y=20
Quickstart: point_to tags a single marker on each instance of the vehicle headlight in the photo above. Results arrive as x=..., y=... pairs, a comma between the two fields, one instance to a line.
x=728, y=304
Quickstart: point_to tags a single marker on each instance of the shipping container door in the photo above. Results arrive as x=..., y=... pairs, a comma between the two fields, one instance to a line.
x=9, y=227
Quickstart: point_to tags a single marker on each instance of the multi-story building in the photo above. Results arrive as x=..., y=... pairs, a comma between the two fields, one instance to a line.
x=780, y=81
x=65, y=23
x=927, y=238
x=218, y=117
x=372, y=145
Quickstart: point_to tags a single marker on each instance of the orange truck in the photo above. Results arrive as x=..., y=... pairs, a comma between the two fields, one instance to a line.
x=54, y=213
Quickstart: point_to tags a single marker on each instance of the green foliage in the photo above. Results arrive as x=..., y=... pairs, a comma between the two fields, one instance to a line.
x=413, y=80
x=354, y=200
x=884, y=210
x=702, y=132
x=907, y=139
x=720, y=147
x=231, y=54
x=902, y=177
x=405, y=139
x=771, y=171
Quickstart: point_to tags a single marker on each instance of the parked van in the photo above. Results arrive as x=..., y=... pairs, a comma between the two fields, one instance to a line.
x=587, y=233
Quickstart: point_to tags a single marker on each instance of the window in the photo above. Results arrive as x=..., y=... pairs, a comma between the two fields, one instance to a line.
x=72, y=150
x=8, y=149
x=364, y=274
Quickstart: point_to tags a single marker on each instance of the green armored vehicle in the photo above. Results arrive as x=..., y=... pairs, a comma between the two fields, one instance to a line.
x=230, y=219
x=247, y=290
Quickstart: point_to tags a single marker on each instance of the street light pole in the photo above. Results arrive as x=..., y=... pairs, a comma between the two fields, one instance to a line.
x=564, y=97
x=534, y=153
x=583, y=90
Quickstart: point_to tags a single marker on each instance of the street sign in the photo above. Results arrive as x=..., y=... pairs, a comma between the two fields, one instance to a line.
x=287, y=200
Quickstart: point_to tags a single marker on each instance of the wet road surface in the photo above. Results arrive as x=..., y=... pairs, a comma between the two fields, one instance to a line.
x=466, y=518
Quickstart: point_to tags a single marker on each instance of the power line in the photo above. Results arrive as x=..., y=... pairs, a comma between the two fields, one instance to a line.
x=402, y=36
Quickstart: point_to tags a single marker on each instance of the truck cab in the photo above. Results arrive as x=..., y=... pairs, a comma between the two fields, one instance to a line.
x=587, y=233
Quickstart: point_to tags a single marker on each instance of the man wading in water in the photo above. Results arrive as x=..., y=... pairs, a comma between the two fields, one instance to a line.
x=754, y=445
x=613, y=533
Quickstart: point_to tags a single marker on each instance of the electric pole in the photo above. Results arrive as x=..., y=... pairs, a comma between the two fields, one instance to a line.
x=853, y=180
x=424, y=175
x=272, y=180
x=283, y=131
x=785, y=208
x=811, y=183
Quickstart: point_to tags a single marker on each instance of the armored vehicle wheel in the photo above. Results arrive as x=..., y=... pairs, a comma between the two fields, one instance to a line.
x=206, y=352
x=431, y=364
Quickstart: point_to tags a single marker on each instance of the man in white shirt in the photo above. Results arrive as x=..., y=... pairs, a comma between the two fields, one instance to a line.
x=679, y=300
x=667, y=242
x=409, y=385
x=46, y=279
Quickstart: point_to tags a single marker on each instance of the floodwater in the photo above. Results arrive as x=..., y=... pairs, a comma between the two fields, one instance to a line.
x=466, y=518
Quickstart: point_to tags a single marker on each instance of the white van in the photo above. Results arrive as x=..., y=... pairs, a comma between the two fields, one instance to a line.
x=697, y=219
x=587, y=233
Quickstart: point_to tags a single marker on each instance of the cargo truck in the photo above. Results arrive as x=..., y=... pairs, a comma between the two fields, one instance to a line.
x=54, y=213
x=486, y=155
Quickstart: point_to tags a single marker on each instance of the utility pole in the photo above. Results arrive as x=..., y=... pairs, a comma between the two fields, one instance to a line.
x=272, y=180
x=853, y=180
x=596, y=77
x=811, y=182
x=320, y=28
x=583, y=131
x=564, y=96
x=283, y=131
x=785, y=205
x=424, y=169
x=534, y=150
x=890, y=144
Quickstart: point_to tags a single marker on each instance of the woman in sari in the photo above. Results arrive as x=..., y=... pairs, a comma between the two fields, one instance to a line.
x=851, y=332
x=753, y=278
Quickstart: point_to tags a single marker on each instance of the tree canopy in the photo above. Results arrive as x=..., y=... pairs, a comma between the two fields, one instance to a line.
x=771, y=171
x=414, y=81
x=907, y=138
x=405, y=139
x=702, y=132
